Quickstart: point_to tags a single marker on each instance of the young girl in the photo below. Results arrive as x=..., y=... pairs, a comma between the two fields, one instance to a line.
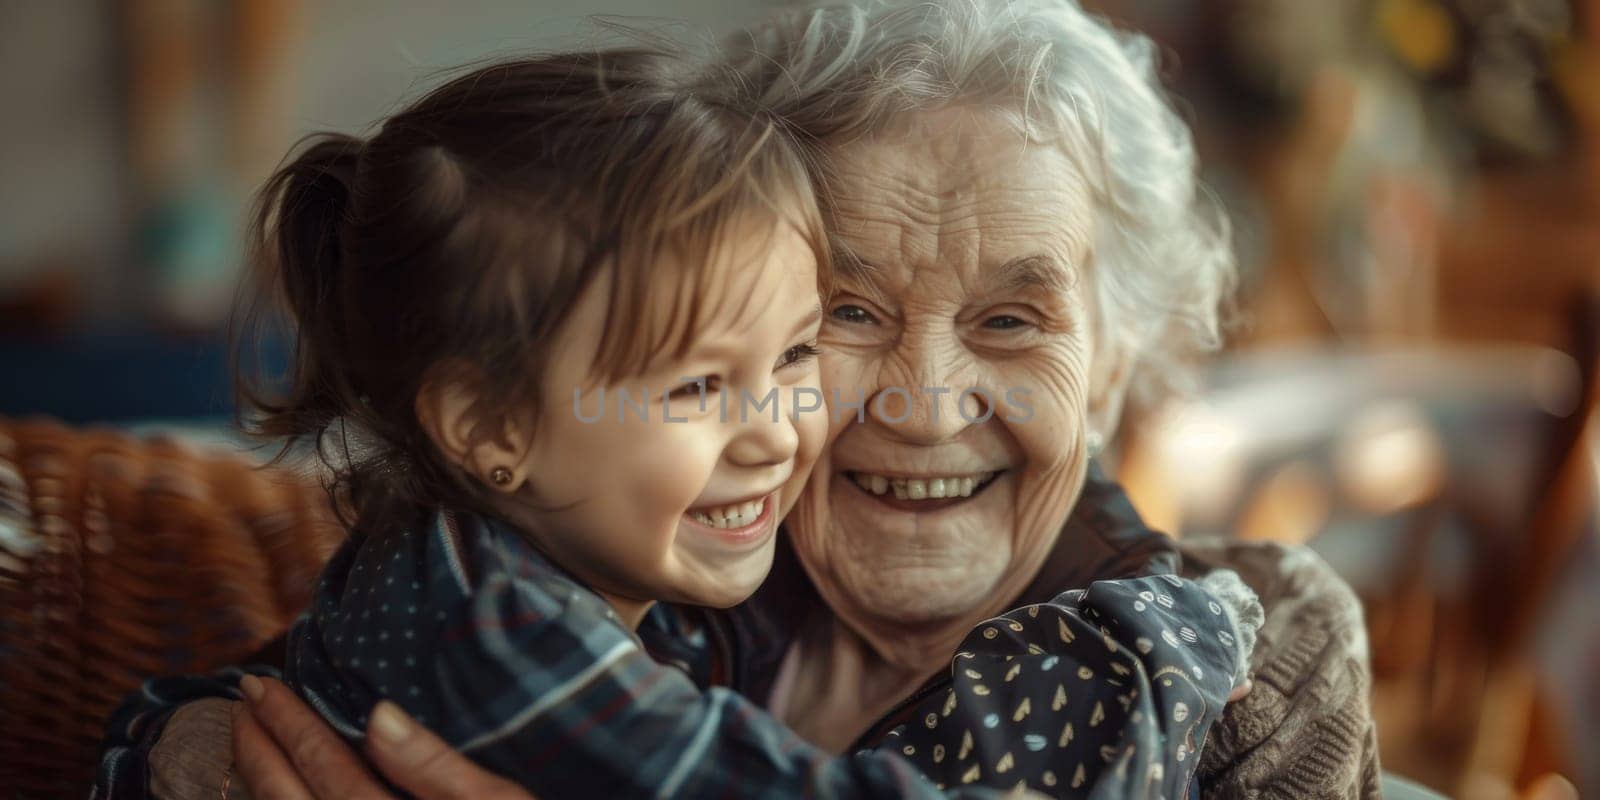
x=511, y=305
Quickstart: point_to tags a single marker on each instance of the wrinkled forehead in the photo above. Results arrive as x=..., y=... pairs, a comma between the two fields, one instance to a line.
x=957, y=194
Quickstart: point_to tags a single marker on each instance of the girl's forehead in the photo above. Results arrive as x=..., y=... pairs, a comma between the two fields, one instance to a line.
x=706, y=279
x=754, y=282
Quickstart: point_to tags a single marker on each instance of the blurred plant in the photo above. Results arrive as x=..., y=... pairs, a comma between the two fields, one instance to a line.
x=1495, y=65
x=1341, y=133
x=206, y=96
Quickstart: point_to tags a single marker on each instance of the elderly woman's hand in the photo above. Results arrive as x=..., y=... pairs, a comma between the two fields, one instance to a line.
x=283, y=750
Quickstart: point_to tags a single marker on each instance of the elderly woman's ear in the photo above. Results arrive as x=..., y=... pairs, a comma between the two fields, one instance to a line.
x=1109, y=377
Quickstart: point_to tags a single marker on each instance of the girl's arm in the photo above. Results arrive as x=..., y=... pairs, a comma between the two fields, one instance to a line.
x=566, y=703
x=282, y=749
x=533, y=677
x=275, y=731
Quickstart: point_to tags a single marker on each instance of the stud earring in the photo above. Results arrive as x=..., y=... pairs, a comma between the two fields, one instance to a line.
x=1096, y=443
x=501, y=476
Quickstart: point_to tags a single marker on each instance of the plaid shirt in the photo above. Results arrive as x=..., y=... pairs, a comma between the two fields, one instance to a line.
x=512, y=661
x=533, y=676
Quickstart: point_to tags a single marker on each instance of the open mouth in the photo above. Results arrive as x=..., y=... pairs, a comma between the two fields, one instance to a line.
x=738, y=521
x=923, y=494
x=726, y=517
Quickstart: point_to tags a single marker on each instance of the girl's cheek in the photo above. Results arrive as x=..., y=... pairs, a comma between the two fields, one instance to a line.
x=687, y=457
x=813, y=429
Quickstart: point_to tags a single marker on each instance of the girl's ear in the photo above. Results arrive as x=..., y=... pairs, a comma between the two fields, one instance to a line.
x=450, y=413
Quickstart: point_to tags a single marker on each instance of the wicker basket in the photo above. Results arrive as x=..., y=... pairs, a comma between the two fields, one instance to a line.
x=122, y=558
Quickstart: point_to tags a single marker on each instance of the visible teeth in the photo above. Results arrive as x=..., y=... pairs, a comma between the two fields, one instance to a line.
x=920, y=488
x=737, y=515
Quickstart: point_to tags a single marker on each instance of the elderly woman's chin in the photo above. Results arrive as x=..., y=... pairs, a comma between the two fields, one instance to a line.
x=882, y=559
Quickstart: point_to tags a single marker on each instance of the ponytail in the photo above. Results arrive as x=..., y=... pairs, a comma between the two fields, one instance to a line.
x=297, y=235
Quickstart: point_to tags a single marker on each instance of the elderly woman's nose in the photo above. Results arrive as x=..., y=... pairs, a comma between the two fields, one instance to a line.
x=919, y=393
x=924, y=414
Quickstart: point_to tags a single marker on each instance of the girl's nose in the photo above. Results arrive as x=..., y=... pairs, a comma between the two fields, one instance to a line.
x=761, y=441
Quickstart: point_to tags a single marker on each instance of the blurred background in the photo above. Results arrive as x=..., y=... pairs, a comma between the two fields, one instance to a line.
x=1409, y=386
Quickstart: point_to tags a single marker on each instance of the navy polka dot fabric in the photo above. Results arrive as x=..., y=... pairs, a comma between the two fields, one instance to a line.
x=1104, y=693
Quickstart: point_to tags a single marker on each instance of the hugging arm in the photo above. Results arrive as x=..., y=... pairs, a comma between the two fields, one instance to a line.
x=552, y=693
x=282, y=749
x=1108, y=692
x=136, y=729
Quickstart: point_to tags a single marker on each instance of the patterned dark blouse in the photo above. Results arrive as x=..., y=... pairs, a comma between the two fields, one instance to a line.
x=1101, y=693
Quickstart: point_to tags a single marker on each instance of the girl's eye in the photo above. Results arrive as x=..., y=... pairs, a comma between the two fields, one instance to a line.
x=694, y=388
x=797, y=354
x=1003, y=322
x=854, y=314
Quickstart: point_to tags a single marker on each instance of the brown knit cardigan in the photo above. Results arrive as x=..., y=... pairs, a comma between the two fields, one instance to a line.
x=1305, y=731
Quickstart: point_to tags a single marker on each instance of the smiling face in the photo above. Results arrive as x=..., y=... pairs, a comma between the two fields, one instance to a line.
x=685, y=511
x=975, y=243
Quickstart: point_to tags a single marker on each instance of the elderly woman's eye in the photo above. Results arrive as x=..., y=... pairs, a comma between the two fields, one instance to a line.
x=853, y=314
x=1003, y=322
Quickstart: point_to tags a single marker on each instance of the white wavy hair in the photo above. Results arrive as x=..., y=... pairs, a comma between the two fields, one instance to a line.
x=1163, y=265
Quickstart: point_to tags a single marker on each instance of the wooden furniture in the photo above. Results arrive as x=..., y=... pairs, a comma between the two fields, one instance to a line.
x=122, y=558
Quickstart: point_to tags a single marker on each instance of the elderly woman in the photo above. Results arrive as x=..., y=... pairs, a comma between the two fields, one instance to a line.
x=1016, y=210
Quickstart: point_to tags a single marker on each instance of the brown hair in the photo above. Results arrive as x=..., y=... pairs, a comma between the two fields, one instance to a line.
x=464, y=232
